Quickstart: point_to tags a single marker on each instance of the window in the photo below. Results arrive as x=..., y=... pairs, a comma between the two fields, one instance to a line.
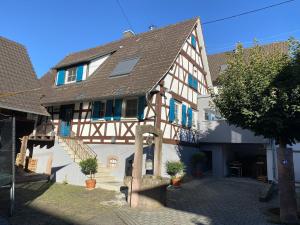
x=124, y=67
x=102, y=109
x=177, y=112
x=131, y=107
x=211, y=115
x=112, y=162
x=193, y=41
x=71, y=75
x=193, y=82
x=194, y=119
x=98, y=110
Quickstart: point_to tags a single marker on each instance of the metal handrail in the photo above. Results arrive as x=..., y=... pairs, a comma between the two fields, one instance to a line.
x=80, y=150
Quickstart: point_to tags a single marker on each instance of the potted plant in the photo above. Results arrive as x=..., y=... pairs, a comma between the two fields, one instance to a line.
x=176, y=170
x=89, y=167
x=197, y=161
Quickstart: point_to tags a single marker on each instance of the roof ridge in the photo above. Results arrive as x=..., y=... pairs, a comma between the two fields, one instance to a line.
x=135, y=36
x=263, y=45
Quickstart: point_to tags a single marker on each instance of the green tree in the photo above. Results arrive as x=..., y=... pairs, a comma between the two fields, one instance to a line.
x=260, y=91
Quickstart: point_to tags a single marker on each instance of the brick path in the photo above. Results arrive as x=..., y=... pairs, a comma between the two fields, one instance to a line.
x=200, y=202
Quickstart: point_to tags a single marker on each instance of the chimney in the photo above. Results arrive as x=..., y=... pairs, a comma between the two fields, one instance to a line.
x=128, y=33
x=152, y=27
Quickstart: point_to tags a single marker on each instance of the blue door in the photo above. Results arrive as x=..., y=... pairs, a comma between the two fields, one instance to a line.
x=66, y=115
x=65, y=129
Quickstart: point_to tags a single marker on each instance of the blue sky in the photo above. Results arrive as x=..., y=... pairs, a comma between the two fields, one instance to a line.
x=51, y=29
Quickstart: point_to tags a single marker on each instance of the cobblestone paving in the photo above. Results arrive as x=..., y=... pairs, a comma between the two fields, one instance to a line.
x=200, y=202
x=210, y=202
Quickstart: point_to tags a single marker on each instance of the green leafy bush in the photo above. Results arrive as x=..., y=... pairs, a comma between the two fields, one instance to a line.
x=198, y=158
x=175, y=168
x=89, y=166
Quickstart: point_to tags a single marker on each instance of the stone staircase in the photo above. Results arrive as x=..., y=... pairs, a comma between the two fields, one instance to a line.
x=103, y=177
x=105, y=180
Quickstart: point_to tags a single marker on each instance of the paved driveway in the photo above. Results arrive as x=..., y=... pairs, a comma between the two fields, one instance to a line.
x=200, y=202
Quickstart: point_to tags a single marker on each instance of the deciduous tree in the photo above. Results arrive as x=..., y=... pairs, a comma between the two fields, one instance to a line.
x=260, y=91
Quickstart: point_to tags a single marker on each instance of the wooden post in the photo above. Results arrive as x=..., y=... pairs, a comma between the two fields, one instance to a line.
x=157, y=155
x=23, y=151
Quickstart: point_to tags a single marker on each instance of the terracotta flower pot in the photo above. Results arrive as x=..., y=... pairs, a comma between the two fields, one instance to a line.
x=176, y=181
x=90, y=184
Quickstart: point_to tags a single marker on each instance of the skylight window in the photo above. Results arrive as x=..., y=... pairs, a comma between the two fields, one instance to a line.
x=124, y=67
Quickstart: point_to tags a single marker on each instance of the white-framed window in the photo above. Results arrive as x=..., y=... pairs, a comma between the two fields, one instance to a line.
x=112, y=162
x=71, y=75
x=211, y=115
x=131, y=108
x=177, y=112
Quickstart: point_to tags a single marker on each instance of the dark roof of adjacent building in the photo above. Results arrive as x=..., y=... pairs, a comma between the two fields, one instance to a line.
x=219, y=60
x=18, y=82
x=156, y=50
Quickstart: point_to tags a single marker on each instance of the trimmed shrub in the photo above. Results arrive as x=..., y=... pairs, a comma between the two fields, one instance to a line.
x=175, y=168
x=89, y=166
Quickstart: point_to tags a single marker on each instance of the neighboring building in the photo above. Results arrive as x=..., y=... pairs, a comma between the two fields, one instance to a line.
x=231, y=143
x=19, y=97
x=99, y=95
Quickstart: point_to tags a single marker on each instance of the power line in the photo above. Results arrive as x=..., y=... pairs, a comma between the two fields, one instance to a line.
x=247, y=12
x=124, y=14
x=260, y=39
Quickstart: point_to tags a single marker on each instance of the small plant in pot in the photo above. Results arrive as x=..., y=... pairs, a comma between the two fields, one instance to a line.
x=89, y=167
x=176, y=170
x=197, y=161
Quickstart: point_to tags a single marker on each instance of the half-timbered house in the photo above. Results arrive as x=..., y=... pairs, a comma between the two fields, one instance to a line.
x=99, y=95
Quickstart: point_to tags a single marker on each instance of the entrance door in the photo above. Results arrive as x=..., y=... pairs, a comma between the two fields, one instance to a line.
x=66, y=114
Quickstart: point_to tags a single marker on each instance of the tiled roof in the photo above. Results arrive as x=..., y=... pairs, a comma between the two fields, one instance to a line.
x=17, y=76
x=216, y=61
x=156, y=50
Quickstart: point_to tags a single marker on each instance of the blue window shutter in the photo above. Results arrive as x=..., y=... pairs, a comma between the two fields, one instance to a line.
x=96, y=111
x=190, y=80
x=183, y=119
x=60, y=77
x=195, y=83
x=190, y=117
x=109, y=110
x=79, y=73
x=193, y=41
x=118, y=109
x=172, y=110
x=141, y=107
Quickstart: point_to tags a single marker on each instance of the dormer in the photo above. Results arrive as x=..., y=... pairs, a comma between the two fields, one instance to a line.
x=78, y=72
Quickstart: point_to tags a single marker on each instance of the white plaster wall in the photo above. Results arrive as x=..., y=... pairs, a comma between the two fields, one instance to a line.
x=176, y=153
x=96, y=63
x=122, y=152
x=63, y=167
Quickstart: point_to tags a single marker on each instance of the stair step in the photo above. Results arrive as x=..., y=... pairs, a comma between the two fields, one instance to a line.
x=113, y=186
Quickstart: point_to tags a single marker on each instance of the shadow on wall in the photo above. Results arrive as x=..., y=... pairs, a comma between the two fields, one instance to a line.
x=148, y=153
x=54, y=170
